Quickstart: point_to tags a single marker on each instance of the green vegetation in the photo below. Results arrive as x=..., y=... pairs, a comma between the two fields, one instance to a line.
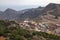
x=17, y=33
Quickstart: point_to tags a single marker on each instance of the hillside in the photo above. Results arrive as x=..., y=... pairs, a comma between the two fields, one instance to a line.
x=53, y=9
x=32, y=13
x=8, y=32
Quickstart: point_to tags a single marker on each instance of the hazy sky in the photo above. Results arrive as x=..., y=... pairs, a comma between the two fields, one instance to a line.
x=23, y=4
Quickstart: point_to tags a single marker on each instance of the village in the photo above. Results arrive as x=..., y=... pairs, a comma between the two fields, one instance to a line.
x=27, y=26
x=40, y=26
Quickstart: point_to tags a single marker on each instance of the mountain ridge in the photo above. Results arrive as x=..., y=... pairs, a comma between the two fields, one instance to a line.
x=52, y=8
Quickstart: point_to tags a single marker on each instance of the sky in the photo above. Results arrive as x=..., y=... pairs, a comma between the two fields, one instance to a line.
x=24, y=4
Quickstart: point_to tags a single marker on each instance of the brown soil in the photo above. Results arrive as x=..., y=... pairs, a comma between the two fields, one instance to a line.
x=2, y=38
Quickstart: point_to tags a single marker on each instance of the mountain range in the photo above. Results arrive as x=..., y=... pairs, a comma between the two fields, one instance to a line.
x=33, y=13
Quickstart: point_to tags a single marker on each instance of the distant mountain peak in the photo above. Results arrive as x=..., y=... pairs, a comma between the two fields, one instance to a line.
x=9, y=10
x=53, y=4
x=1, y=11
x=39, y=7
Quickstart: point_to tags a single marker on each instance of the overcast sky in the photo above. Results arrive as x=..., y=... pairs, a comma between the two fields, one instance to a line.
x=24, y=4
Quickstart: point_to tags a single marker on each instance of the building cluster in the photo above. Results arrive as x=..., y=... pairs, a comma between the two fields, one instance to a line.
x=43, y=26
x=35, y=26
